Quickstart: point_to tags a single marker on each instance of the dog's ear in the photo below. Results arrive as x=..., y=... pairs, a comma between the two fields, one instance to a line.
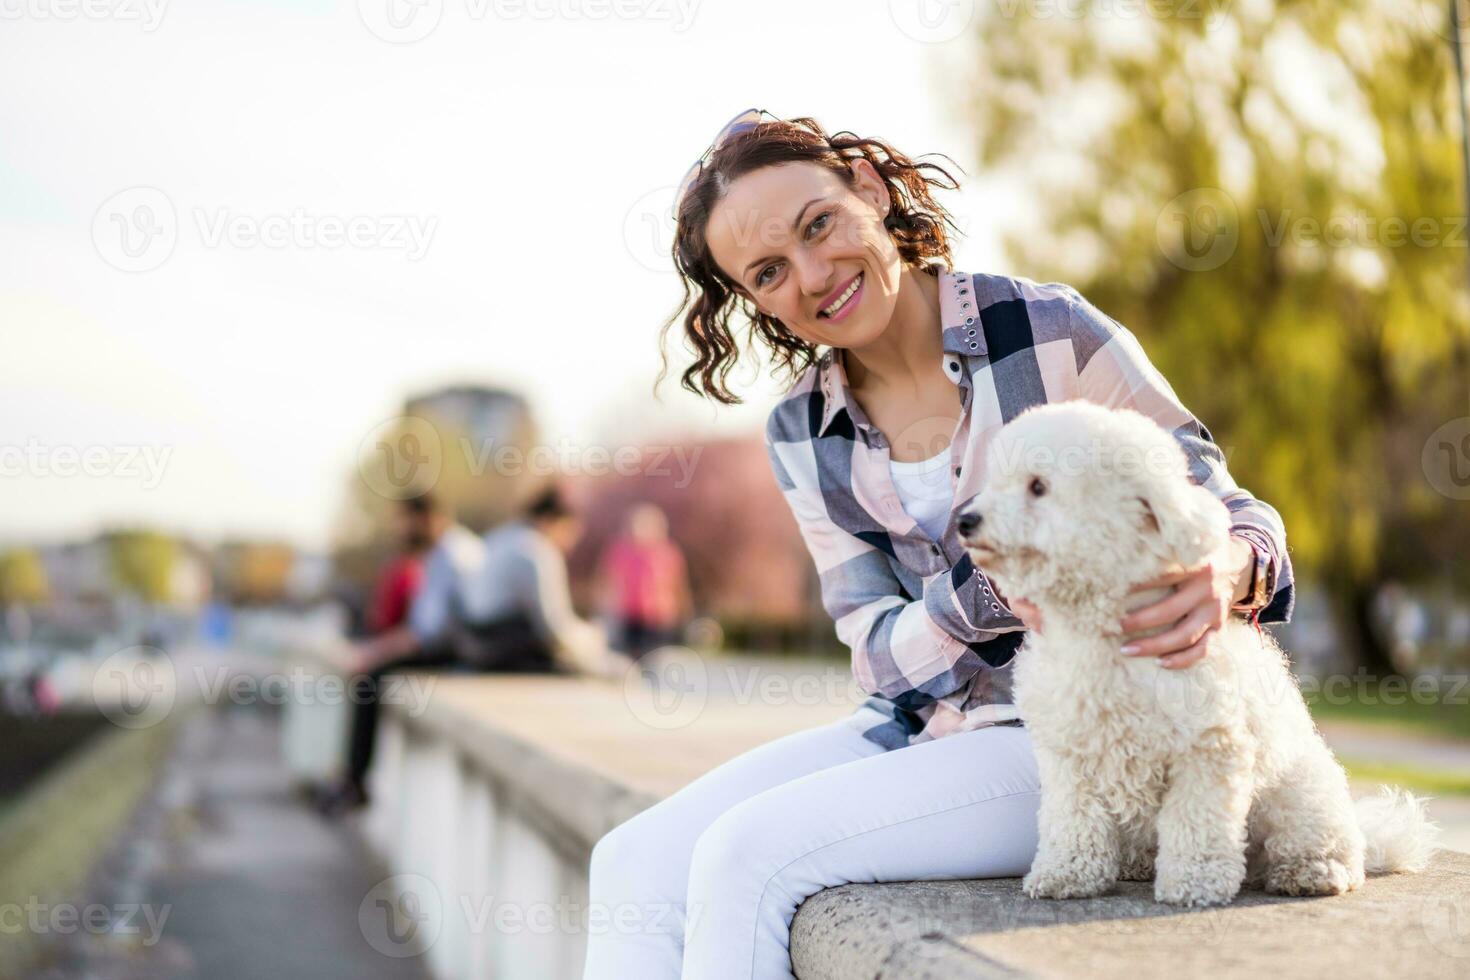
x=1185, y=522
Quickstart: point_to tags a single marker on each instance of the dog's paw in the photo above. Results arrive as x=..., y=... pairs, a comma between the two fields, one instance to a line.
x=1137, y=868
x=1199, y=884
x=1312, y=876
x=1057, y=880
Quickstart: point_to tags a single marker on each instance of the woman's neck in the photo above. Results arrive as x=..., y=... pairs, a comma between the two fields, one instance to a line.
x=911, y=345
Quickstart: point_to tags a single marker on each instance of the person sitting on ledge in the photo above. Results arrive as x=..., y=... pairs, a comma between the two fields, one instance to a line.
x=499, y=604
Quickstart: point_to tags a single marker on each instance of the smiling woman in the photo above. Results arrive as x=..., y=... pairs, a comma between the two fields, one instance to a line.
x=833, y=253
x=842, y=199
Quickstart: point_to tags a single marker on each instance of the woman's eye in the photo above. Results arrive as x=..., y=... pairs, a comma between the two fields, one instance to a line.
x=760, y=278
x=1038, y=488
x=823, y=218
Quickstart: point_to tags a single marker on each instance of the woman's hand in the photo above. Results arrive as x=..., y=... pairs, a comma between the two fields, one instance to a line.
x=1199, y=605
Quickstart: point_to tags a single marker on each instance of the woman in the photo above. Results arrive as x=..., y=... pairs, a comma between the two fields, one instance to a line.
x=835, y=253
x=645, y=583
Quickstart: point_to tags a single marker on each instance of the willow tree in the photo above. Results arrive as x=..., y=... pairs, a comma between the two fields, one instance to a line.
x=1269, y=196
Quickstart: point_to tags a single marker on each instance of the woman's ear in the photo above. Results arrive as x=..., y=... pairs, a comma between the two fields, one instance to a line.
x=870, y=186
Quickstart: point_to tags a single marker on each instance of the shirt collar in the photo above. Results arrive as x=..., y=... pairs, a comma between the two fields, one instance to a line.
x=959, y=319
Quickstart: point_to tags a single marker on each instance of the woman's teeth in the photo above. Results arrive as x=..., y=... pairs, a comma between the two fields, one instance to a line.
x=842, y=300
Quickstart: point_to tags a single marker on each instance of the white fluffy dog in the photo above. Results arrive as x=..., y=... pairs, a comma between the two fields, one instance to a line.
x=1202, y=778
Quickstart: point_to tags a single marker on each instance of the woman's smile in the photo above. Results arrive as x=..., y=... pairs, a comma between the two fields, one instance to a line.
x=842, y=303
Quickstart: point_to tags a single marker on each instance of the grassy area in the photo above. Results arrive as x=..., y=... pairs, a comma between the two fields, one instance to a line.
x=1440, y=708
x=1434, y=782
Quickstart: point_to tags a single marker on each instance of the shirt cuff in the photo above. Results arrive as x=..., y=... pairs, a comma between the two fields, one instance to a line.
x=1261, y=546
x=977, y=596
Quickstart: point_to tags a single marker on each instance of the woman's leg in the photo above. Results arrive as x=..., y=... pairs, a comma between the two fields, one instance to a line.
x=962, y=806
x=640, y=870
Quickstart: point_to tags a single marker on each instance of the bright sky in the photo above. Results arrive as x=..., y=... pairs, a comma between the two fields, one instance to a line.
x=505, y=180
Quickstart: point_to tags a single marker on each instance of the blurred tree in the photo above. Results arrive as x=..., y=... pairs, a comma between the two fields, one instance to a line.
x=142, y=563
x=22, y=578
x=1268, y=195
x=253, y=572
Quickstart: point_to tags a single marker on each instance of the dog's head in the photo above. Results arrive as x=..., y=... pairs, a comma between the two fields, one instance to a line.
x=1078, y=498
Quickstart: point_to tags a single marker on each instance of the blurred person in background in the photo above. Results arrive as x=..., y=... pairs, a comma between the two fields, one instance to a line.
x=522, y=615
x=403, y=573
x=497, y=604
x=644, y=583
x=412, y=615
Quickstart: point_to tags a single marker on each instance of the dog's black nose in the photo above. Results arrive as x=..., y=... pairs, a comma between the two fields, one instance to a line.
x=968, y=523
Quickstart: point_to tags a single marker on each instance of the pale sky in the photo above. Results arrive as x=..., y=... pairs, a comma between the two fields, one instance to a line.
x=504, y=177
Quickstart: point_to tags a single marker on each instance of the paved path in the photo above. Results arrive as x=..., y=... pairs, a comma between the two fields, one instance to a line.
x=255, y=885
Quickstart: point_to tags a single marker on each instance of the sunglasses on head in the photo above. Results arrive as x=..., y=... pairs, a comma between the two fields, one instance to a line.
x=745, y=121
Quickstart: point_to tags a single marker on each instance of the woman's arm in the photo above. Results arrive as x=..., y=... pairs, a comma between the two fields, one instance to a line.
x=1117, y=373
x=908, y=650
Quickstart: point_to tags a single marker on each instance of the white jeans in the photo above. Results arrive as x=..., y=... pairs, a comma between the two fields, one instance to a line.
x=704, y=884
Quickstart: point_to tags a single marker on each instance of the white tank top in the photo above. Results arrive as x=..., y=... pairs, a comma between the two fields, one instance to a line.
x=925, y=491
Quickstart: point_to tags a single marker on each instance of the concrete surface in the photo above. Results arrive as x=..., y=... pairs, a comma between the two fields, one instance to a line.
x=588, y=753
x=1399, y=925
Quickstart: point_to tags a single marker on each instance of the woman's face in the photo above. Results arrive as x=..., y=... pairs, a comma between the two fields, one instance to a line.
x=796, y=240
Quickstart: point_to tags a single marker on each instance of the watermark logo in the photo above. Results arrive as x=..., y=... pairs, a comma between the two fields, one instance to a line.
x=400, y=21
x=404, y=457
x=136, y=687
x=1210, y=12
x=1199, y=230
x=1359, y=229
x=668, y=688
x=135, y=230
x=407, y=21
x=649, y=228
x=401, y=916
x=146, y=464
x=1446, y=459
x=932, y=21
x=147, y=13
x=401, y=457
x=40, y=918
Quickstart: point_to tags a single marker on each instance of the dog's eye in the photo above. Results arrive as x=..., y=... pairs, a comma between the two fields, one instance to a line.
x=1038, y=487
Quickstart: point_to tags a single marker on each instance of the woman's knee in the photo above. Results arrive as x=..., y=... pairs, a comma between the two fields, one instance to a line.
x=739, y=844
x=634, y=862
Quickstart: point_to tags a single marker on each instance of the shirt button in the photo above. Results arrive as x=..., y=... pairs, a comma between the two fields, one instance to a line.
x=934, y=548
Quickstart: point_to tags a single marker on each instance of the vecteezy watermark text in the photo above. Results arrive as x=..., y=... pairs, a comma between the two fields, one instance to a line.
x=124, y=919
x=37, y=459
x=137, y=229
x=146, y=13
x=404, y=456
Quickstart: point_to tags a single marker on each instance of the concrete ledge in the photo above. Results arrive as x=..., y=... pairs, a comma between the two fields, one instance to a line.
x=1397, y=925
x=498, y=787
x=490, y=797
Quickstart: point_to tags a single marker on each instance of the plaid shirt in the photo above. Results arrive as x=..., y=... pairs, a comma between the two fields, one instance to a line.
x=931, y=644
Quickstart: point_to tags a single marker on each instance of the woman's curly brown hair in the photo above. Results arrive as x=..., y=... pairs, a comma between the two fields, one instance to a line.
x=916, y=222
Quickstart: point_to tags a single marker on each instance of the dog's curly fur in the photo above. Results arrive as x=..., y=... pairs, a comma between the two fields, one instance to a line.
x=1202, y=778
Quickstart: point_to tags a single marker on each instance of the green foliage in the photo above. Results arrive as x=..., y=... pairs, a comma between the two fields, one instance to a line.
x=22, y=577
x=1325, y=346
x=142, y=563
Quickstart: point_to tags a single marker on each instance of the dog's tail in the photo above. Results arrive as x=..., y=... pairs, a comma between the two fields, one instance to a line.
x=1398, y=831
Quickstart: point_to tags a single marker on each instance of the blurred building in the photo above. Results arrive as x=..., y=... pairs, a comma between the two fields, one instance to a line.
x=748, y=566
